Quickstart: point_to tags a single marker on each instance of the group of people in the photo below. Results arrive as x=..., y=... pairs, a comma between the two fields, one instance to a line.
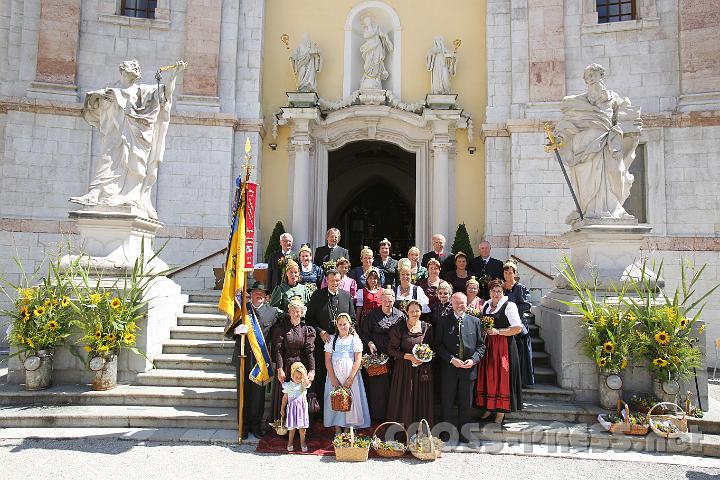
x=319, y=317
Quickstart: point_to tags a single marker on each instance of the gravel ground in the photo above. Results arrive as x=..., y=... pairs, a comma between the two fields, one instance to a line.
x=107, y=458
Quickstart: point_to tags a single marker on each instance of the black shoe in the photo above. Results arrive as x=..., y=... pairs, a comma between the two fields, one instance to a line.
x=259, y=432
x=244, y=435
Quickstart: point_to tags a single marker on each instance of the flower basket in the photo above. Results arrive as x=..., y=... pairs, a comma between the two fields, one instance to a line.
x=350, y=447
x=340, y=399
x=392, y=448
x=376, y=364
x=668, y=425
x=424, y=447
x=624, y=425
x=279, y=426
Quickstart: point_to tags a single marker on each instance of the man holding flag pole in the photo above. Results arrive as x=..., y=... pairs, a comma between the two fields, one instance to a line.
x=243, y=319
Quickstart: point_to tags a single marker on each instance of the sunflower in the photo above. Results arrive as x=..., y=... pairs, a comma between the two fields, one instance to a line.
x=65, y=302
x=630, y=317
x=602, y=362
x=47, y=302
x=98, y=334
x=25, y=313
x=609, y=347
x=623, y=364
x=30, y=343
x=39, y=311
x=103, y=348
x=95, y=298
x=111, y=337
x=660, y=362
x=602, y=321
x=682, y=323
x=662, y=337
x=115, y=303
x=702, y=328
x=53, y=325
x=131, y=327
x=129, y=338
x=27, y=293
x=87, y=348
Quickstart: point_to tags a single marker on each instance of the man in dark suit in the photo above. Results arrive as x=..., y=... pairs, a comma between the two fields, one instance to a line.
x=484, y=265
x=460, y=346
x=446, y=259
x=323, y=308
x=387, y=265
x=331, y=251
x=267, y=316
x=275, y=267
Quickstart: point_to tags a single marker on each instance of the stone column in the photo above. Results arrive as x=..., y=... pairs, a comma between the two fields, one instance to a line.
x=546, y=35
x=301, y=189
x=202, y=52
x=58, y=38
x=440, y=195
x=699, y=26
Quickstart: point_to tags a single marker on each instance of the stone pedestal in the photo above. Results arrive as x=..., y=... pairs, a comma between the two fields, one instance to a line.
x=302, y=99
x=441, y=101
x=372, y=96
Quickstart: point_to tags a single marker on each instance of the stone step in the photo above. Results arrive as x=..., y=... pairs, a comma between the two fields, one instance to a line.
x=546, y=392
x=121, y=395
x=199, y=307
x=545, y=375
x=117, y=416
x=538, y=344
x=551, y=411
x=193, y=361
x=209, y=347
x=541, y=359
x=187, y=378
x=196, y=333
x=195, y=321
x=534, y=331
x=207, y=296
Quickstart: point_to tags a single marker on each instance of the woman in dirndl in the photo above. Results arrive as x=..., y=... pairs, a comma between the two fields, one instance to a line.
x=499, y=386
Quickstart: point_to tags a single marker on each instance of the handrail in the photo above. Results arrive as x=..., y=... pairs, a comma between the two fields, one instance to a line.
x=189, y=265
x=531, y=267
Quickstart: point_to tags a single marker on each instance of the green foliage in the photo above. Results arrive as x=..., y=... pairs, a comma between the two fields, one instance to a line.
x=273, y=244
x=462, y=242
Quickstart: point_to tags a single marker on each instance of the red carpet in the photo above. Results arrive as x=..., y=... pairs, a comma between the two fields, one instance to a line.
x=319, y=441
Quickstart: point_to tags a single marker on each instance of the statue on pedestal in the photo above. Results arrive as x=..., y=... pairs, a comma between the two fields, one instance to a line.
x=306, y=61
x=133, y=119
x=374, y=50
x=599, y=131
x=441, y=63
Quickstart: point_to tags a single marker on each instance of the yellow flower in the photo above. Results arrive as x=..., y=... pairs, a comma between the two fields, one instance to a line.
x=115, y=303
x=103, y=348
x=602, y=321
x=47, y=302
x=65, y=302
x=27, y=293
x=98, y=334
x=87, y=348
x=131, y=327
x=30, y=343
x=630, y=317
x=25, y=313
x=662, y=337
x=623, y=364
x=616, y=321
x=129, y=338
x=53, y=325
x=39, y=311
x=609, y=347
x=588, y=316
x=660, y=362
x=702, y=328
x=111, y=337
x=683, y=322
x=95, y=298
x=602, y=362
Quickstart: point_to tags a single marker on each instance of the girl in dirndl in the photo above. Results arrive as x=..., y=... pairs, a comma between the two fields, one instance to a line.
x=295, y=405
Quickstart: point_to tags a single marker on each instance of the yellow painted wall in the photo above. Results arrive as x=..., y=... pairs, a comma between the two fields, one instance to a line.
x=421, y=20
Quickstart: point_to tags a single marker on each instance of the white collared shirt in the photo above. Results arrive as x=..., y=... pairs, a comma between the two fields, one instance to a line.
x=511, y=311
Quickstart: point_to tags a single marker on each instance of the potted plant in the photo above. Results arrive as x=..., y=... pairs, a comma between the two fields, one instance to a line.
x=39, y=321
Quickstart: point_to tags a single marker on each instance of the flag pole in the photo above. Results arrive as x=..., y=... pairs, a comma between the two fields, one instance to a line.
x=243, y=307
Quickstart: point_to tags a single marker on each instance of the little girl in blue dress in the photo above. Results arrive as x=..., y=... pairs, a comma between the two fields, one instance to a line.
x=295, y=405
x=343, y=356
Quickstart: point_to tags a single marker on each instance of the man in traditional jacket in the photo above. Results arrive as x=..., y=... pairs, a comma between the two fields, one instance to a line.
x=332, y=251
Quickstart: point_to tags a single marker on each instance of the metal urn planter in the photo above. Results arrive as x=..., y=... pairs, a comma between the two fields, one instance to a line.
x=38, y=370
x=609, y=389
x=105, y=372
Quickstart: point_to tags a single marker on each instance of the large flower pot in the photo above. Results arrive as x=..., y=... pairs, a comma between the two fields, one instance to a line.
x=38, y=370
x=105, y=370
x=609, y=391
x=665, y=390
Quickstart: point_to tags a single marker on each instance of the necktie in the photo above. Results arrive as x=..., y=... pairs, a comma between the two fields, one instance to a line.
x=461, y=349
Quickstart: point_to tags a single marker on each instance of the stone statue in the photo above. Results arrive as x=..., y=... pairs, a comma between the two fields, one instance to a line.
x=600, y=131
x=306, y=61
x=374, y=50
x=133, y=119
x=441, y=64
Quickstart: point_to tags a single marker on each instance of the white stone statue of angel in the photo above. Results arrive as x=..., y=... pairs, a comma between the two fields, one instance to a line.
x=374, y=50
x=306, y=61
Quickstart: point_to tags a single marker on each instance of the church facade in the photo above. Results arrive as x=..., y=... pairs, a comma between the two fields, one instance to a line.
x=392, y=165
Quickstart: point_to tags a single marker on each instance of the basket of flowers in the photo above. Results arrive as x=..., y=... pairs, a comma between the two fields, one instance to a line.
x=668, y=425
x=279, y=426
x=622, y=422
x=340, y=399
x=643, y=403
x=350, y=447
x=389, y=448
x=423, y=446
x=423, y=352
x=376, y=364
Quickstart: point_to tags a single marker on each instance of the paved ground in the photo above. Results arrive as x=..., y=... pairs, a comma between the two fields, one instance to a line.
x=111, y=458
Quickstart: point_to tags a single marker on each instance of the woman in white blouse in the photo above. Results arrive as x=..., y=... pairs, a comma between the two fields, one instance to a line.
x=499, y=385
x=407, y=291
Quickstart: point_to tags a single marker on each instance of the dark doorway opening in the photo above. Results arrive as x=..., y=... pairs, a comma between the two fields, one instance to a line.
x=371, y=195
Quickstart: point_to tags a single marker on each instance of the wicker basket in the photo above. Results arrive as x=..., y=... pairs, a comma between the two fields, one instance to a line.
x=352, y=454
x=680, y=421
x=390, y=453
x=341, y=403
x=428, y=451
x=377, y=369
x=279, y=426
x=624, y=427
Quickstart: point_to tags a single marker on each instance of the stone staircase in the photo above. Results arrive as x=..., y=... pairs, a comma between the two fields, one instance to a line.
x=545, y=388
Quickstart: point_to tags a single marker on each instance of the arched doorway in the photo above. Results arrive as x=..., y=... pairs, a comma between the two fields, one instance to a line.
x=371, y=195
